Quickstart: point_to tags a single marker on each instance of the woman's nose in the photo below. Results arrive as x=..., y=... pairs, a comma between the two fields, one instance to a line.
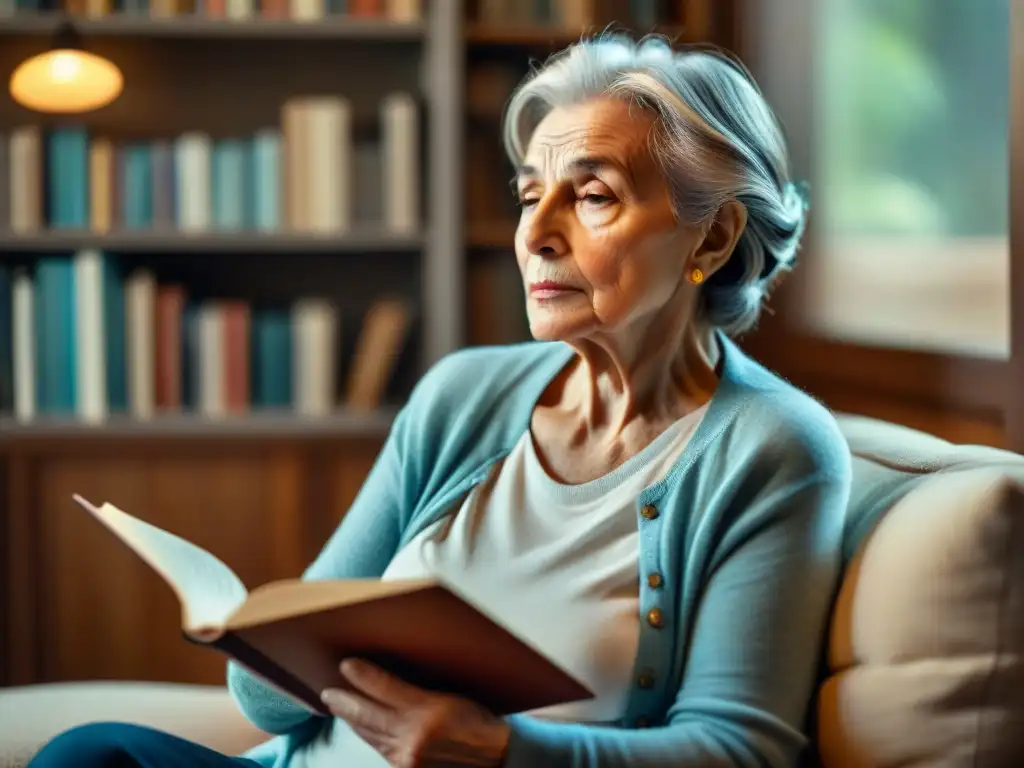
x=545, y=235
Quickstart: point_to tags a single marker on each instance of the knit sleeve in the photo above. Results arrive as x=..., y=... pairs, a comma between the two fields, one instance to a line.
x=751, y=663
x=361, y=547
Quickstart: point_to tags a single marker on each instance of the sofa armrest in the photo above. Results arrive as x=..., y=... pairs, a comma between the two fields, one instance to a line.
x=32, y=715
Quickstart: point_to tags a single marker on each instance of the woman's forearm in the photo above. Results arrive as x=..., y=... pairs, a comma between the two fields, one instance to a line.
x=537, y=744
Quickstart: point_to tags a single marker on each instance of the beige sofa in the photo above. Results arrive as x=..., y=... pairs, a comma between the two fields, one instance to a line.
x=925, y=653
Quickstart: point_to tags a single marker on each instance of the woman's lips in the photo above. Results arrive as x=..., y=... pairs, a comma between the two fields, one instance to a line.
x=549, y=289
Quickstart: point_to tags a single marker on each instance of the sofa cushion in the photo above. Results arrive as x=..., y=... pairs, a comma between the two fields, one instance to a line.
x=32, y=715
x=926, y=649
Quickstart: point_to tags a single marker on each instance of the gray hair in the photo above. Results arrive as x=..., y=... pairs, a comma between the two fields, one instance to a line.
x=717, y=140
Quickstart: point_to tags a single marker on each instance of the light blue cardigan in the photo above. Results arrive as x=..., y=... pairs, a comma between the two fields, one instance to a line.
x=746, y=531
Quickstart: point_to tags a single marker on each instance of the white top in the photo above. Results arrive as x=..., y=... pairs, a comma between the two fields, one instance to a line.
x=556, y=563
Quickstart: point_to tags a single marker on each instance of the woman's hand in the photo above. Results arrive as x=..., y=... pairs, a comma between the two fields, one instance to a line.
x=413, y=728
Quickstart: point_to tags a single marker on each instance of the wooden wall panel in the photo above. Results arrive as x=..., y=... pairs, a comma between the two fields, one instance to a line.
x=21, y=586
x=100, y=594
x=83, y=606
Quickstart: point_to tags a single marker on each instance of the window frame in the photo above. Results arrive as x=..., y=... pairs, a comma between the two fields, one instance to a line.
x=1015, y=394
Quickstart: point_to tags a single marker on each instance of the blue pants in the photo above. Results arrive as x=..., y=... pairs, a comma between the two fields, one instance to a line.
x=118, y=745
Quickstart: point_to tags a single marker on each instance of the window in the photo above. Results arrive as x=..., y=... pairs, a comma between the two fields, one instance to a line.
x=906, y=130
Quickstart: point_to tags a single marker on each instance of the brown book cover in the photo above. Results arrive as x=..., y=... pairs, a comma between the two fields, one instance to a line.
x=216, y=9
x=236, y=356
x=377, y=351
x=294, y=633
x=366, y=8
x=170, y=304
x=274, y=9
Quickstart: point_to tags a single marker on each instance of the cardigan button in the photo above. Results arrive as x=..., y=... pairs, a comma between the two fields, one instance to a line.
x=654, y=580
x=646, y=680
x=650, y=512
x=656, y=618
x=642, y=722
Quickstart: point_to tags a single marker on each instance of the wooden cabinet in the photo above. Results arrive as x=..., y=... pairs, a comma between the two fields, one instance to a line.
x=79, y=605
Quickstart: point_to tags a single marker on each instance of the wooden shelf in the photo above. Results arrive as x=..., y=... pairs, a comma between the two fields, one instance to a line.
x=506, y=35
x=207, y=243
x=269, y=425
x=540, y=37
x=131, y=25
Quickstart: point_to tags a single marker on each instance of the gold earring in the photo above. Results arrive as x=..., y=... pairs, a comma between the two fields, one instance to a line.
x=696, y=276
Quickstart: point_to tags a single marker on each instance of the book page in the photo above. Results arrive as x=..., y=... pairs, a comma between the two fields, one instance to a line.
x=209, y=591
x=289, y=598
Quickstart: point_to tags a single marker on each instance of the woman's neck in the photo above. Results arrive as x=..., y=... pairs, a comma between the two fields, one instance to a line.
x=657, y=376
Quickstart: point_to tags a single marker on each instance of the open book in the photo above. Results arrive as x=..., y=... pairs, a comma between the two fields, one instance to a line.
x=295, y=633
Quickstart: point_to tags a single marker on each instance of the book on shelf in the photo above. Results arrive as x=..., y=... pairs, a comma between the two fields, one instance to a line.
x=295, y=633
x=401, y=11
x=82, y=336
x=311, y=174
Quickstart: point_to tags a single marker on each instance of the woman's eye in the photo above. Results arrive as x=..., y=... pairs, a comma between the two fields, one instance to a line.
x=596, y=199
x=528, y=202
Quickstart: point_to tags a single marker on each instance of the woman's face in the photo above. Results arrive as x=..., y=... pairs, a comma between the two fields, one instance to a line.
x=598, y=245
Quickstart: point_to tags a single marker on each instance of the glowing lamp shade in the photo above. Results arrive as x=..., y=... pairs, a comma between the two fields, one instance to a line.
x=66, y=80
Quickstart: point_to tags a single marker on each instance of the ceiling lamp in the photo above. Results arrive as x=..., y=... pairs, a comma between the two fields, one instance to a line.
x=66, y=79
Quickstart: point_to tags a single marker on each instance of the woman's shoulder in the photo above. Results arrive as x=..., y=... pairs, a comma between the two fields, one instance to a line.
x=790, y=427
x=785, y=422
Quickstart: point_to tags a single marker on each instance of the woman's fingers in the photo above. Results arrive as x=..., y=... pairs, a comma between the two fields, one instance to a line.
x=361, y=713
x=381, y=685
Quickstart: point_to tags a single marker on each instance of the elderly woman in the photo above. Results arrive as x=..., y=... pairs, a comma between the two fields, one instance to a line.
x=649, y=506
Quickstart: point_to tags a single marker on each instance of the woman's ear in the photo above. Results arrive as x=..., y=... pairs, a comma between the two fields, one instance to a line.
x=721, y=238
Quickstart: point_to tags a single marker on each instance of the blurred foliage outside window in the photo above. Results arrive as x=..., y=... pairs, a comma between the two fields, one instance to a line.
x=914, y=107
x=911, y=174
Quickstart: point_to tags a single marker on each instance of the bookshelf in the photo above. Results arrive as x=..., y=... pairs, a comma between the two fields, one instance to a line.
x=193, y=27
x=261, y=485
x=258, y=426
x=367, y=241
